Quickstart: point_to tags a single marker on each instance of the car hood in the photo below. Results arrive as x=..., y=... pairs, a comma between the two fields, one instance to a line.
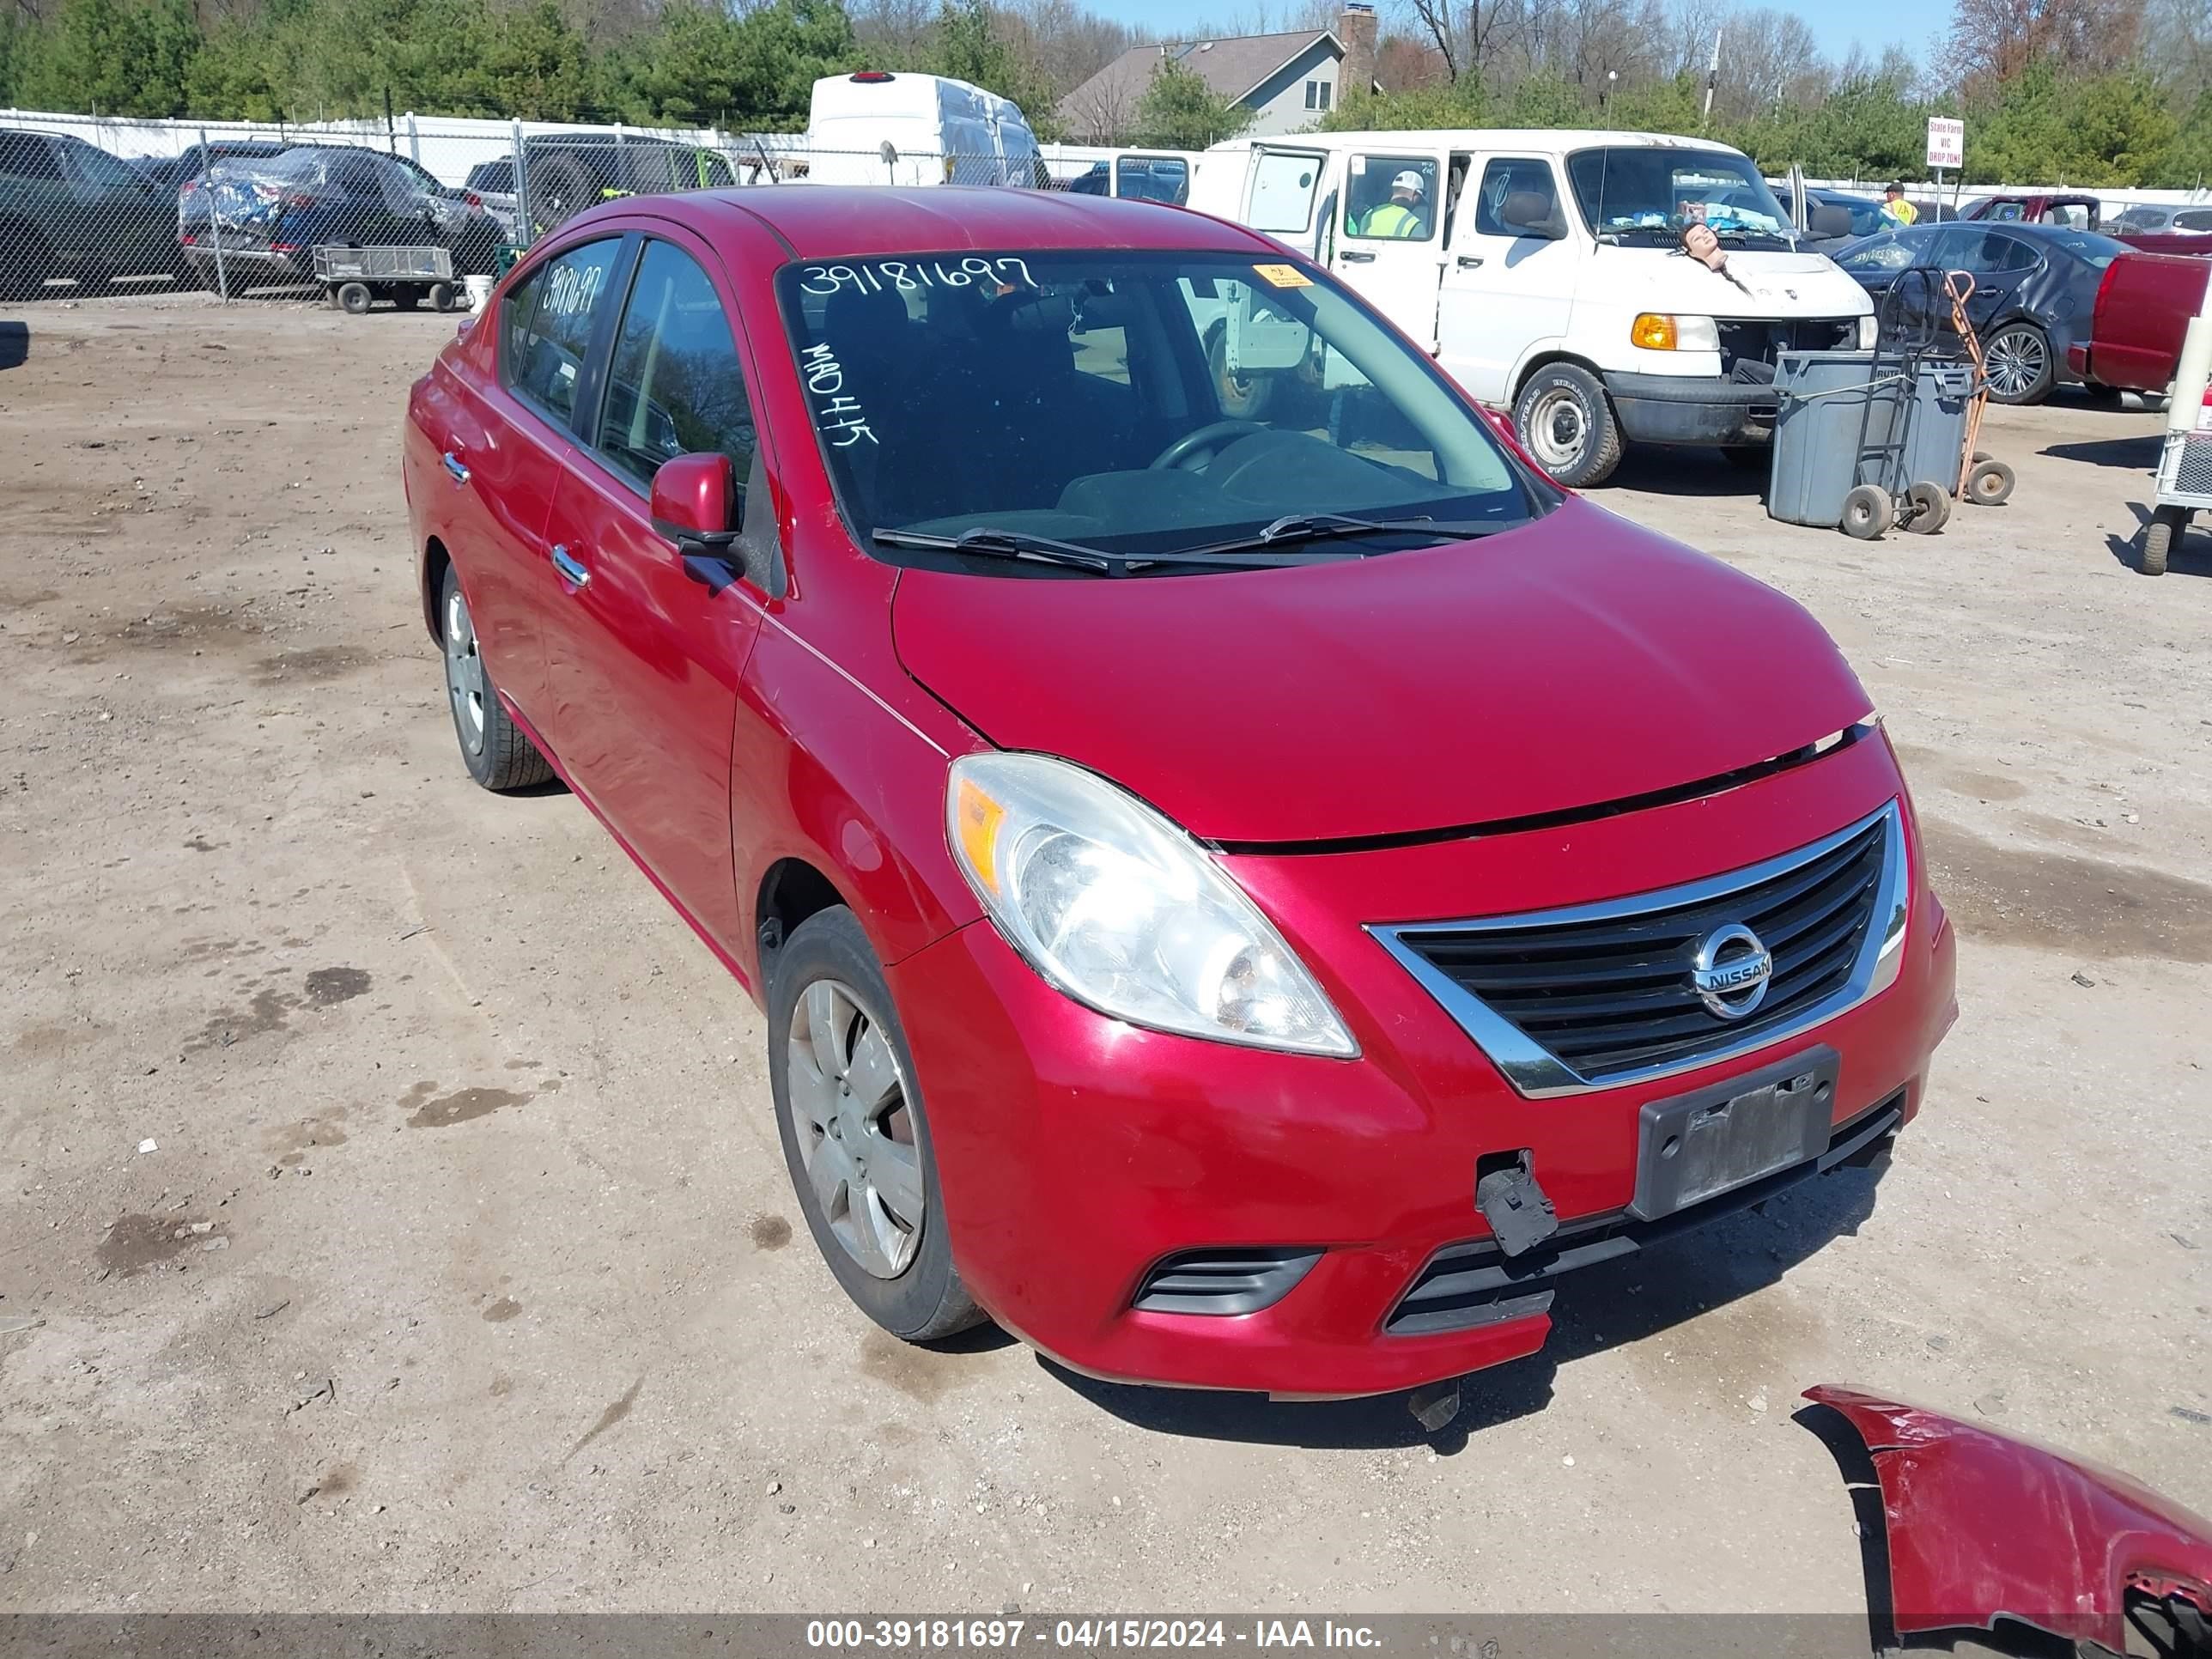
x=1577, y=661
x=1769, y=284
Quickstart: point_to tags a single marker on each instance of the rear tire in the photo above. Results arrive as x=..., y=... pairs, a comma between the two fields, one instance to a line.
x=26, y=262
x=855, y=1137
x=1868, y=511
x=2159, y=535
x=441, y=296
x=2019, y=366
x=1567, y=423
x=496, y=752
x=354, y=298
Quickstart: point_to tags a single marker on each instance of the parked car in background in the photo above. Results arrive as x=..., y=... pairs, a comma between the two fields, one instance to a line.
x=1139, y=177
x=271, y=213
x=2142, y=309
x=492, y=183
x=869, y=561
x=461, y=194
x=572, y=171
x=1861, y=214
x=879, y=128
x=2035, y=289
x=71, y=210
x=2155, y=218
x=2074, y=212
x=166, y=173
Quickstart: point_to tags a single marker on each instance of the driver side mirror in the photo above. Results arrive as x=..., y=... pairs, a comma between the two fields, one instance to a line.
x=1829, y=221
x=691, y=506
x=1532, y=213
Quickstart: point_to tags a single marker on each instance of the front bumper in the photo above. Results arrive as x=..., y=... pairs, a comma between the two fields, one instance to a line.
x=1076, y=1152
x=1691, y=409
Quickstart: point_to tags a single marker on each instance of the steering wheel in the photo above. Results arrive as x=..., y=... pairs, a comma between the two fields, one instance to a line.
x=1206, y=437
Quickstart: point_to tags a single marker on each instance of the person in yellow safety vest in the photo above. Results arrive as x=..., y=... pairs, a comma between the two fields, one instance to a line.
x=1400, y=216
x=1896, y=209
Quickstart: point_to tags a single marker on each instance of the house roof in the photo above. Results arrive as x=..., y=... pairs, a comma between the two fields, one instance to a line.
x=1234, y=66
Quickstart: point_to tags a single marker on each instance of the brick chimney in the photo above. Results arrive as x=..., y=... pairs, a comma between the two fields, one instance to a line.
x=1356, y=29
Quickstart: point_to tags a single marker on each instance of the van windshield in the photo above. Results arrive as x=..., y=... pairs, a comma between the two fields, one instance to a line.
x=1647, y=194
x=1132, y=404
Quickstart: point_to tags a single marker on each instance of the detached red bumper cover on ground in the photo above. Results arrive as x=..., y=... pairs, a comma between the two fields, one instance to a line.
x=1985, y=1529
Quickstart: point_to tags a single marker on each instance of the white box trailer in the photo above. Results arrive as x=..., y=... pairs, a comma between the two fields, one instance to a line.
x=1544, y=271
x=880, y=128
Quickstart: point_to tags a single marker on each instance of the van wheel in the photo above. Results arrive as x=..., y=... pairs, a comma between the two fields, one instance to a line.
x=854, y=1136
x=1241, y=397
x=1566, y=423
x=497, y=753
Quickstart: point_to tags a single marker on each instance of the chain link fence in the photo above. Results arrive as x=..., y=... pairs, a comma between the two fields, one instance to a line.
x=404, y=210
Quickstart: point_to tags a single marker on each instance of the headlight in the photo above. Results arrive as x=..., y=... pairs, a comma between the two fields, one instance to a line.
x=1658, y=331
x=1869, y=332
x=1124, y=912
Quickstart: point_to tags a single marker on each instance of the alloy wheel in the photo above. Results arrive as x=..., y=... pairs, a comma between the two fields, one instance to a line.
x=847, y=1099
x=464, y=675
x=2015, y=362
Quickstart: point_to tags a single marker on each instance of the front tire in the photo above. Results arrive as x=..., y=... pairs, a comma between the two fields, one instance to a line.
x=2017, y=361
x=855, y=1137
x=497, y=753
x=2159, y=537
x=1241, y=397
x=1567, y=423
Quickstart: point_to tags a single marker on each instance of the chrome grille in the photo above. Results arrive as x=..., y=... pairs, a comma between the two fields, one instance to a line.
x=1602, y=994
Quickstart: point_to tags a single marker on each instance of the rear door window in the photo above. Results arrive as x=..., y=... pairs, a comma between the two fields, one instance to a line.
x=674, y=385
x=28, y=155
x=1283, y=191
x=544, y=359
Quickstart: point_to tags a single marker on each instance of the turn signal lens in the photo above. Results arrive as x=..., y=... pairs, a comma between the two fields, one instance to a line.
x=1653, y=332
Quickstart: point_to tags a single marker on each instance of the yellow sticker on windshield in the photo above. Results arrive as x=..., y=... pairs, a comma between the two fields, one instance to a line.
x=1282, y=276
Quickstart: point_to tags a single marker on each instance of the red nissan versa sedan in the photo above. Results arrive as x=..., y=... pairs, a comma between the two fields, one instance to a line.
x=1245, y=901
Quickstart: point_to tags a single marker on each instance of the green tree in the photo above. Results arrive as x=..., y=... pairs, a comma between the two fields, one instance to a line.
x=1179, y=111
x=1545, y=100
x=110, y=57
x=970, y=42
x=1457, y=103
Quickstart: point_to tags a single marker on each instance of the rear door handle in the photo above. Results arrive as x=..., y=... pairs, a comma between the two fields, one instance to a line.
x=1352, y=257
x=456, y=467
x=571, y=569
x=1469, y=261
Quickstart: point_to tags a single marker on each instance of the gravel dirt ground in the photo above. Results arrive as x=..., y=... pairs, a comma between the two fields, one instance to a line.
x=394, y=1216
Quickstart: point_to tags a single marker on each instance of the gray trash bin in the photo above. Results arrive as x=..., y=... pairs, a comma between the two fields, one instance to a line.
x=1824, y=397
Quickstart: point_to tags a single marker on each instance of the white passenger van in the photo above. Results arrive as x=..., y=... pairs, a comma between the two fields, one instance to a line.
x=878, y=128
x=1544, y=271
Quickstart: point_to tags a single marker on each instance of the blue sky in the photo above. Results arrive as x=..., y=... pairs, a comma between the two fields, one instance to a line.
x=1874, y=23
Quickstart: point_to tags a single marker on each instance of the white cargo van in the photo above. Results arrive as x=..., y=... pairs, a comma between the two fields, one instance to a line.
x=878, y=128
x=1544, y=271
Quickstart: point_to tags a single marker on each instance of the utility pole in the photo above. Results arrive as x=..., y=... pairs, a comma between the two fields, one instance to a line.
x=1713, y=80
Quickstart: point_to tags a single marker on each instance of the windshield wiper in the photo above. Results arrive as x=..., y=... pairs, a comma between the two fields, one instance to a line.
x=1042, y=549
x=1315, y=526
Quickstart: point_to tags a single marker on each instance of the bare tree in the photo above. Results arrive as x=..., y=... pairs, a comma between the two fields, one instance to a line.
x=2177, y=46
x=1997, y=39
x=1467, y=34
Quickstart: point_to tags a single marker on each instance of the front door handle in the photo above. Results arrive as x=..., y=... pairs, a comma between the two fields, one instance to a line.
x=571, y=569
x=1470, y=261
x=455, y=467
x=1353, y=256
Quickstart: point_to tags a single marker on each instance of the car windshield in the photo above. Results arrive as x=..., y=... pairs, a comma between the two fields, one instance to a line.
x=1135, y=404
x=1648, y=193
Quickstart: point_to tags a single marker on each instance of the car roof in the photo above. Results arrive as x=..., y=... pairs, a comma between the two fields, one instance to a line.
x=1534, y=141
x=829, y=221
